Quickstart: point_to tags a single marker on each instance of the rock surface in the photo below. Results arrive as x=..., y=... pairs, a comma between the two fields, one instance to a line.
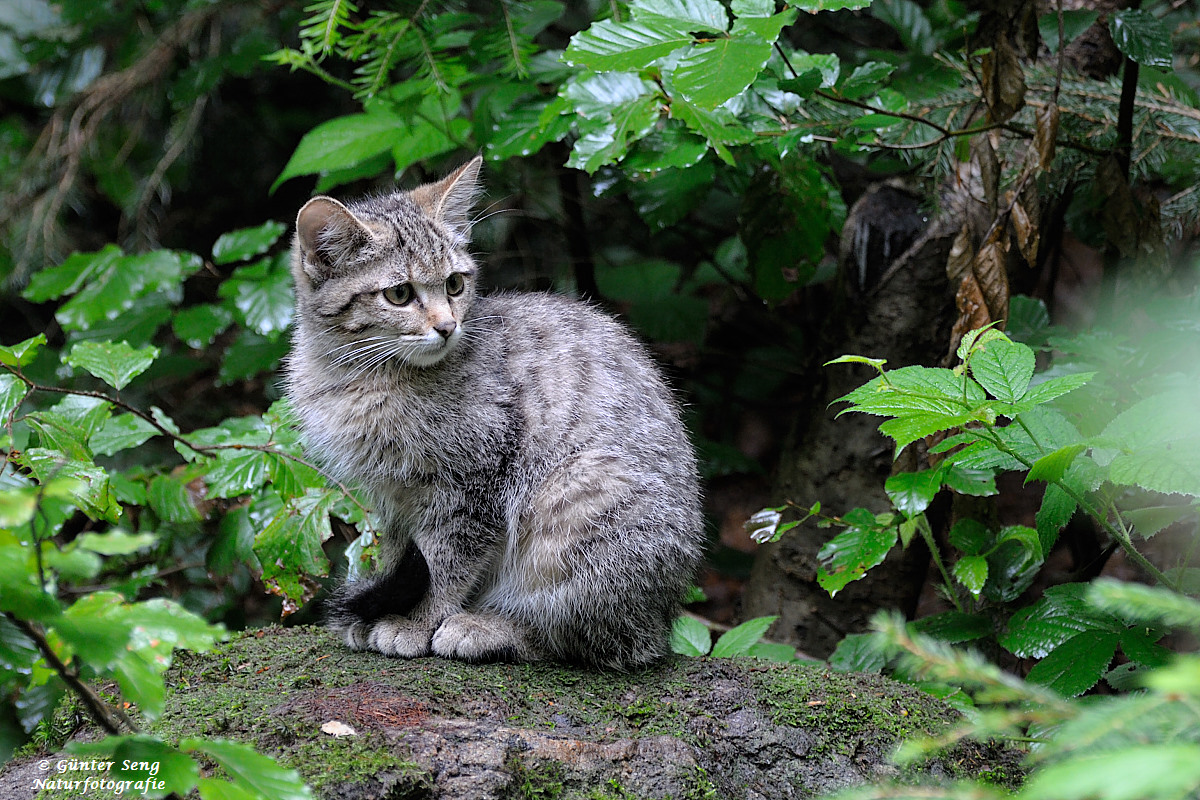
x=430, y=728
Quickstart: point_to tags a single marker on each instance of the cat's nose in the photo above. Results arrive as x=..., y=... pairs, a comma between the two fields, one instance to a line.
x=446, y=327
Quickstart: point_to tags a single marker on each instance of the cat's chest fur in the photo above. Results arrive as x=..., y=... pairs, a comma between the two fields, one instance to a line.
x=398, y=428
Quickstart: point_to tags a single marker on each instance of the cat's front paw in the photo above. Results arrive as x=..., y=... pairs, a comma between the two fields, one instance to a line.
x=480, y=637
x=397, y=636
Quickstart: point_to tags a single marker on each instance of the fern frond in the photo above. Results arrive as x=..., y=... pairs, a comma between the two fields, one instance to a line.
x=322, y=30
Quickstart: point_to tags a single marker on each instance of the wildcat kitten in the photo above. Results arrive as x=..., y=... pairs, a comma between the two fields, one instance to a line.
x=537, y=491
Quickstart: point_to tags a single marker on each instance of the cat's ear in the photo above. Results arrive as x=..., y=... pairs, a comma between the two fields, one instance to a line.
x=452, y=199
x=327, y=234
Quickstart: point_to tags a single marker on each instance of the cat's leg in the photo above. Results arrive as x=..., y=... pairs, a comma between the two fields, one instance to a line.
x=459, y=550
x=357, y=606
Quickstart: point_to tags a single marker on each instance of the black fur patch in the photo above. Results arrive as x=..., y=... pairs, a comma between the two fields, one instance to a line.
x=395, y=592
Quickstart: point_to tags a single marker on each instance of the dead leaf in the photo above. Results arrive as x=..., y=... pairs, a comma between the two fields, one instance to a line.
x=1027, y=234
x=1045, y=136
x=338, y=729
x=1003, y=81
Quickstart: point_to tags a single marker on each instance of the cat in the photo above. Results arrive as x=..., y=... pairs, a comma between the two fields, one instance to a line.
x=536, y=488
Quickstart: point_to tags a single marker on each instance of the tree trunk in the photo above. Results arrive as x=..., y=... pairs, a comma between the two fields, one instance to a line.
x=899, y=307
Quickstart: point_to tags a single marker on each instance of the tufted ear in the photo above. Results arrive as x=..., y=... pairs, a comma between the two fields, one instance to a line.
x=327, y=234
x=452, y=199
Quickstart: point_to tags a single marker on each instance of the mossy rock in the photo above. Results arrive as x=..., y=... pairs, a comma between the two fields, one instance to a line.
x=431, y=728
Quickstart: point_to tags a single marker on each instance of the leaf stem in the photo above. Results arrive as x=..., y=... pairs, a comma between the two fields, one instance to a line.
x=935, y=551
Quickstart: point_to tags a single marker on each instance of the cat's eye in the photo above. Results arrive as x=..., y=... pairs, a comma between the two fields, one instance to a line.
x=400, y=295
x=455, y=284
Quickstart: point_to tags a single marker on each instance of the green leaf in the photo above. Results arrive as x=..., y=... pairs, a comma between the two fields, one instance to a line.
x=848, y=556
x=715, y=71
x=115, y=363
x=1055, y=512
x=768, y=26
x=1051, y=467
x=246, y=243
x=910, y=22
x=1157, y=771
x=738, y=641
x=177, y=770
x=289, y=548
x=609, y=46
x=22, y=353
x=115, y=542
x=130, y=292
x=171, y=501
x=343, y=142
x=251, y=771
x=859, y=652
x=718, y=126
x=1048, y=390
x=773, y=651
x=954, y=626
x=1003, y=368
x=1062, y=613
x=237, y=472
x=12, y=391
x=57, y=433
x=912, y=492
x=1141, y=37
x=910, y=427
x=198, y=326
x=866, y=79
x=690, y=637
x=1077, y=664
x=70, y=276
x=813, y=6
x=121, y=433
x=972, y=572
x=1073, y=22
x=1153, y=519
x=262, y=295
x=696, y=15
x=251, y=354
x=527, y=127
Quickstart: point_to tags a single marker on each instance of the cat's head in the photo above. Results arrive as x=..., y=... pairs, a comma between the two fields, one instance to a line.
x=390, y=276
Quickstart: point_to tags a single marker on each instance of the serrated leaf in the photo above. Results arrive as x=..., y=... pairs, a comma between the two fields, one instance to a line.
x=1077, y=664
x=1141, y=37
x=1153, y=519
x=22, y=353
x=1004, y=368
x=909, y=428
x=1052, y=466
x=1048, y=390
x=847, y=556
x=737, y=641
x=121, y=433
x=1055, y=512
x=343, y=142
x=972, y=572
x=1166, y=468
x=249, y=355
x=714, y=71
x=246, y=243
x=1062, y=613
x=718, y=126
x=690, y=637
x=115, y=363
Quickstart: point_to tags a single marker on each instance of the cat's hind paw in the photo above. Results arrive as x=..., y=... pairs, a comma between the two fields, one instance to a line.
x=481, y=637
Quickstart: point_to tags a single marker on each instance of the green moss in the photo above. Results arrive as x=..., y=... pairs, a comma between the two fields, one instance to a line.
x=535, y=782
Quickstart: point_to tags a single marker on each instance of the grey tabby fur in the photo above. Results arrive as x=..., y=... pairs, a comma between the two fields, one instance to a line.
x=537, y=490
